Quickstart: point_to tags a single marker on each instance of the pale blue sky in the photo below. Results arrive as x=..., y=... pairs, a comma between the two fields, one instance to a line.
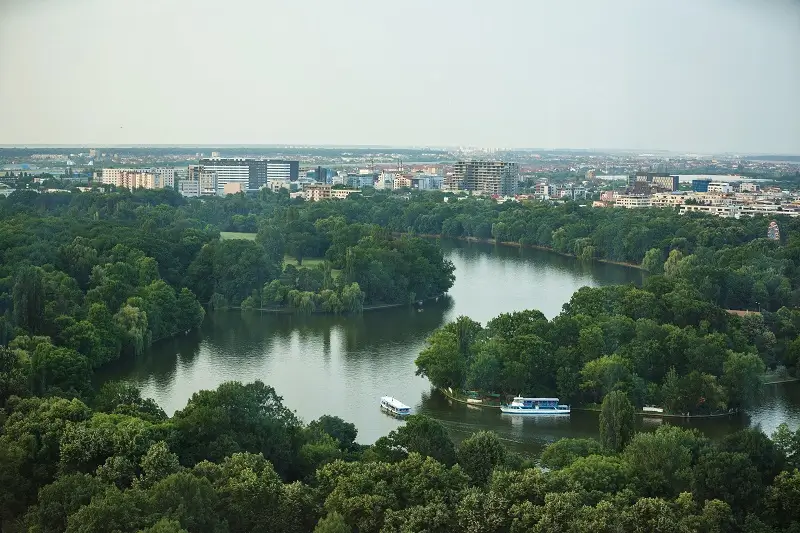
x=693, y=75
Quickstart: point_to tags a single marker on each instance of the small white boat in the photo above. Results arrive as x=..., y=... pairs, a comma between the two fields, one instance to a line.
x=535, y=406
x=394, y=407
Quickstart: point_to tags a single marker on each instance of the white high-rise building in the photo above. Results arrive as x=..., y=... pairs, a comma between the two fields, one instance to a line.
x=229, y=170
x=165, y=177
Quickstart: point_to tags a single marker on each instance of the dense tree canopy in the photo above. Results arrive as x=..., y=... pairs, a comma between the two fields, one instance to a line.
x=662, y=344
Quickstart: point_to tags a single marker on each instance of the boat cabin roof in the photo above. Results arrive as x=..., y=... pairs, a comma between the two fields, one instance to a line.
x=536, y=399
x=397, y=404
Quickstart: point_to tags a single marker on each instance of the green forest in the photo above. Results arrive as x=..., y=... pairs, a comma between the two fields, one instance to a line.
x=87, y=278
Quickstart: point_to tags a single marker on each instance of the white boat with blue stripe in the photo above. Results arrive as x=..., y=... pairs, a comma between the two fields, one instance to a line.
x=535, y=406
x=394, y=406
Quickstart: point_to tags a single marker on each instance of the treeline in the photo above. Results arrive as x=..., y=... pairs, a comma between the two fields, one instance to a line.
x=237, y=460
x=730, y=260
x=663, y=344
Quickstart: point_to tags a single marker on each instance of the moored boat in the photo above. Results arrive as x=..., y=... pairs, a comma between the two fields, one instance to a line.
x=535, y=406
x=394, y=406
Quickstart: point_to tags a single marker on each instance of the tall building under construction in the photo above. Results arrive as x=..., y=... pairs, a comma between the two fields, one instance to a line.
x=484, y=177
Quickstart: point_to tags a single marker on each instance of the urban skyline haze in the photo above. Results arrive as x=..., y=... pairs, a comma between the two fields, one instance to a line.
x=712, y=76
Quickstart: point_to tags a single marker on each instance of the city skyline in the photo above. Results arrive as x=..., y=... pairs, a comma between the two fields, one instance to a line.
x=714, y=78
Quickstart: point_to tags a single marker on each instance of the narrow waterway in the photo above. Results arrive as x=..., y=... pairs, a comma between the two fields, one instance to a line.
x=342, y=365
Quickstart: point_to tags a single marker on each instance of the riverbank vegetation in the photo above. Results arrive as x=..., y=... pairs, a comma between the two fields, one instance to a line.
x=237, y=460
x=663, y=344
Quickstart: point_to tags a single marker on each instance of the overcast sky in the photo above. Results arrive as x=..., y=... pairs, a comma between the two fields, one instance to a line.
x=694, y=75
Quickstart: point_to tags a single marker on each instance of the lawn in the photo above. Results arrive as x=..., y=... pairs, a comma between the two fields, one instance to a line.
x=309, y=262
x=225, y=235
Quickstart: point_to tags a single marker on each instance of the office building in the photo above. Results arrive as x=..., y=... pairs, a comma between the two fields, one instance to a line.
x=658, y=180
x=700, y=185
x=720, y=187
x=322, y=175
x=253, y=174
x=484, y=177
x=280, y=171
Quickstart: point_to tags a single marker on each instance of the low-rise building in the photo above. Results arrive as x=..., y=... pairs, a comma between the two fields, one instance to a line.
x=631, y=201
x=667, y=199
x=720, y=187
x=401, y=182
x=319, y=191
x=234, y=187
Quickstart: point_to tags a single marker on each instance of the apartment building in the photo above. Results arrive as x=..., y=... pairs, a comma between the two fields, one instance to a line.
x=401, y=182
x=484, y=177
x=667, y=199
x=130, y=178
x=199, y=181
x=631, y=201
x=318, y=191
x=165, y=177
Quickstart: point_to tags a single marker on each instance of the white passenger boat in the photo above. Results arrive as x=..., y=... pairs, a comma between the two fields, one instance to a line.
x=394, y=406
x=535, y=406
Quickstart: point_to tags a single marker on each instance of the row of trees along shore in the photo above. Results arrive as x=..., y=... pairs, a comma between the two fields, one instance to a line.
x=88, y=278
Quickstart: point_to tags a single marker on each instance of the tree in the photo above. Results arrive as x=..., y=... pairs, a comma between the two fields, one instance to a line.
x=728, y=476
x=189, y=312
x=234, y=418
x=14, y=374
x=660, y=462
x=332, y=523
x=617, y=421
x=420, y=434
x=345, y=433
x=742, y=379
x=60, y=499
x=132, y=322
x=564, y=452
x=124, y=398
x=157, y=464
x=480, y=454
x=29, y=299
x=59, y=371
x=653, y=261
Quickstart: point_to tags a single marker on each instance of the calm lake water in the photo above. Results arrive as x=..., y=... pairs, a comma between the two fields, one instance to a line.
x=342, y=365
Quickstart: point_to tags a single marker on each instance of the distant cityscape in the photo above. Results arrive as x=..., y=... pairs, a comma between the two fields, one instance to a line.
x=727, y=186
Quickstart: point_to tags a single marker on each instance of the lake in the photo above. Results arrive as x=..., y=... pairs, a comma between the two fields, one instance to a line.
x=343, y=365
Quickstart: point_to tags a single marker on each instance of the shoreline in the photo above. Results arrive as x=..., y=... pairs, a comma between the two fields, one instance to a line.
x=515, y=244
x=595, y=409
x=289, y=311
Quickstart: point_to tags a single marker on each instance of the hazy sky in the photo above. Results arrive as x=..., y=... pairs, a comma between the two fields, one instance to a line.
x=695, y=75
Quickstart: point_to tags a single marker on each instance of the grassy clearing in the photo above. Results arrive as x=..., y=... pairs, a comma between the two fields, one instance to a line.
x=225, y=235
x=309, y=262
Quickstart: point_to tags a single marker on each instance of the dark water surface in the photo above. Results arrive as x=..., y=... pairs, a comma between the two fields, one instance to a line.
x=342, y=365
